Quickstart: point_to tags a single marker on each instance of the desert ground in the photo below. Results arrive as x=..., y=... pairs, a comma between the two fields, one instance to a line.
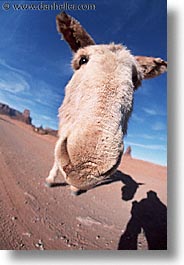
x=130, y=213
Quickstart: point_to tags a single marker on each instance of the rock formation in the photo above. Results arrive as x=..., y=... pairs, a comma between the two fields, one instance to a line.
x=15, y=114
x=128, y=152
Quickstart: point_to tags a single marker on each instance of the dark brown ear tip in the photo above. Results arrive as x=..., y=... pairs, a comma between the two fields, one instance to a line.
x=72, y=31
x=160, y=61
x=62, y=16
x=63, y=20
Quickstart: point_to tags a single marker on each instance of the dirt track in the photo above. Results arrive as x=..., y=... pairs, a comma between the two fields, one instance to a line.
x=33, y=216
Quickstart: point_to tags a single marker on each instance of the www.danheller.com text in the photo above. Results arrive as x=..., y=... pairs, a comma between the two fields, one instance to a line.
x=41, y=6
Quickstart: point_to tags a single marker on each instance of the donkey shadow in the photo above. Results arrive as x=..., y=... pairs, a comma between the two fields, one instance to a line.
x=130, y=185
x=128, y=190
x=149, y=214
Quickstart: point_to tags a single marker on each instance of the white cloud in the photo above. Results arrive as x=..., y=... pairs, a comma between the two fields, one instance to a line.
x=153, y=137
x=4, y=64
x=136, y=118
x=45, y=94
x=154, y=111
x=11, y=79
x=15, y=101
x=47, y=118
x=13, y=83
x=148, y=137
x=158, y=126
x=150, y=147
x=159, y=137
x=150, y=111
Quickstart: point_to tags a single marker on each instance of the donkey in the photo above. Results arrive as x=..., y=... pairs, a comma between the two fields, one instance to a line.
x=98, y=102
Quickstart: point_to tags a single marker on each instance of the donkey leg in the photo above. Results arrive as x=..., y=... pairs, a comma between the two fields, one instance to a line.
x=52, y=175
x=59, y=150
x=74, y=191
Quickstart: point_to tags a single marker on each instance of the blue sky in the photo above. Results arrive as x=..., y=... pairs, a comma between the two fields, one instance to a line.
x=35, y=63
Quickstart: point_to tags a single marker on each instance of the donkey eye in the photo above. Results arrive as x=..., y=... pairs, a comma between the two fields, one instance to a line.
x=83, y=60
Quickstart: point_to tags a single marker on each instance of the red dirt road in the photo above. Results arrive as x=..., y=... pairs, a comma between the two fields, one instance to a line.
x=33, y=216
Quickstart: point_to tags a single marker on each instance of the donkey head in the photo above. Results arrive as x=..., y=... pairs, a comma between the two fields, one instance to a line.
x=98, y=103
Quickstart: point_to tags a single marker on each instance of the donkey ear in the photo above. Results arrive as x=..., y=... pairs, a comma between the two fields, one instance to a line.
x=150, y=66
x=73, y=32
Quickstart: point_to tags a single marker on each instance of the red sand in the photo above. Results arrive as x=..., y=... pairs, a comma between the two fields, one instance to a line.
x=36, y=217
